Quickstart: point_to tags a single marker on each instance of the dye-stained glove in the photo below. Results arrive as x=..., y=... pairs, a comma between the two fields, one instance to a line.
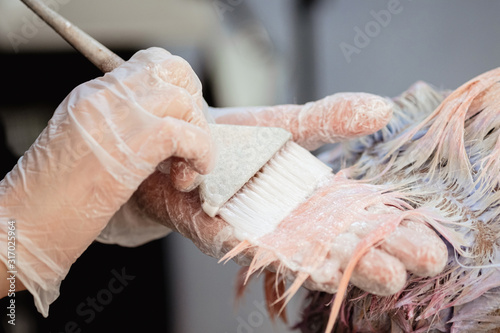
x=339, y=117
x=105, y=138
x=411, y=247
x=335, y=118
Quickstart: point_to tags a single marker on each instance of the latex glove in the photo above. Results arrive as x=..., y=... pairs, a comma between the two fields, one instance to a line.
x=382, y=270
x=105, y=138
x=335, y=118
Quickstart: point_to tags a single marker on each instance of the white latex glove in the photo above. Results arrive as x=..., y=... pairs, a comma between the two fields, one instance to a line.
x=105, y=138
x=382, y=270
x=335, y=118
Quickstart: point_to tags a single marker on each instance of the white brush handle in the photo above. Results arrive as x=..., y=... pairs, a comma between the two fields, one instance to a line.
x=97, y=53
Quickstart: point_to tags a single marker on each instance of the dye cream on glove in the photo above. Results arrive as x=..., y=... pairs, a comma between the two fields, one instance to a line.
x=157, y=199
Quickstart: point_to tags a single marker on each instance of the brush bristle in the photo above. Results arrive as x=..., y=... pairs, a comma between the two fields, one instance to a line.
x=286, y=181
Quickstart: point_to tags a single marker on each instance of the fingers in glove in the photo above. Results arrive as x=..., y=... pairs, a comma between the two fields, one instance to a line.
x=181, y=212
x=376, y=272
x=338, y=117
x=104, y=139
x=185, y=171
x=176, y=92
x=417, y=246
x=379, y=273
x=162, y=84
x=172, y=69
x=327, y=278
x=164, y=100
x=184, y=177
x=181, y=139
x=182, y=75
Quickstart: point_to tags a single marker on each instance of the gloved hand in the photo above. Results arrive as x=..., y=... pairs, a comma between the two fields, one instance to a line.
x=339, y=117
x=105, y=138
x=335, y=118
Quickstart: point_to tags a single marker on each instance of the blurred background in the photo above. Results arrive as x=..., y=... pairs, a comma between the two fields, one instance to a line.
x=246, y=53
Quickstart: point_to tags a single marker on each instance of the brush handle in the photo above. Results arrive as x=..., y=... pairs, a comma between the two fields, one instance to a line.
x=97, y=53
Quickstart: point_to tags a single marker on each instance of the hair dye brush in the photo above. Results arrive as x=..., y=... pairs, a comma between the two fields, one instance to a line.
x=260, y=176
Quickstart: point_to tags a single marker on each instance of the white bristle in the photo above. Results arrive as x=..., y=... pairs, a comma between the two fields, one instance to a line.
x=286, y=181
